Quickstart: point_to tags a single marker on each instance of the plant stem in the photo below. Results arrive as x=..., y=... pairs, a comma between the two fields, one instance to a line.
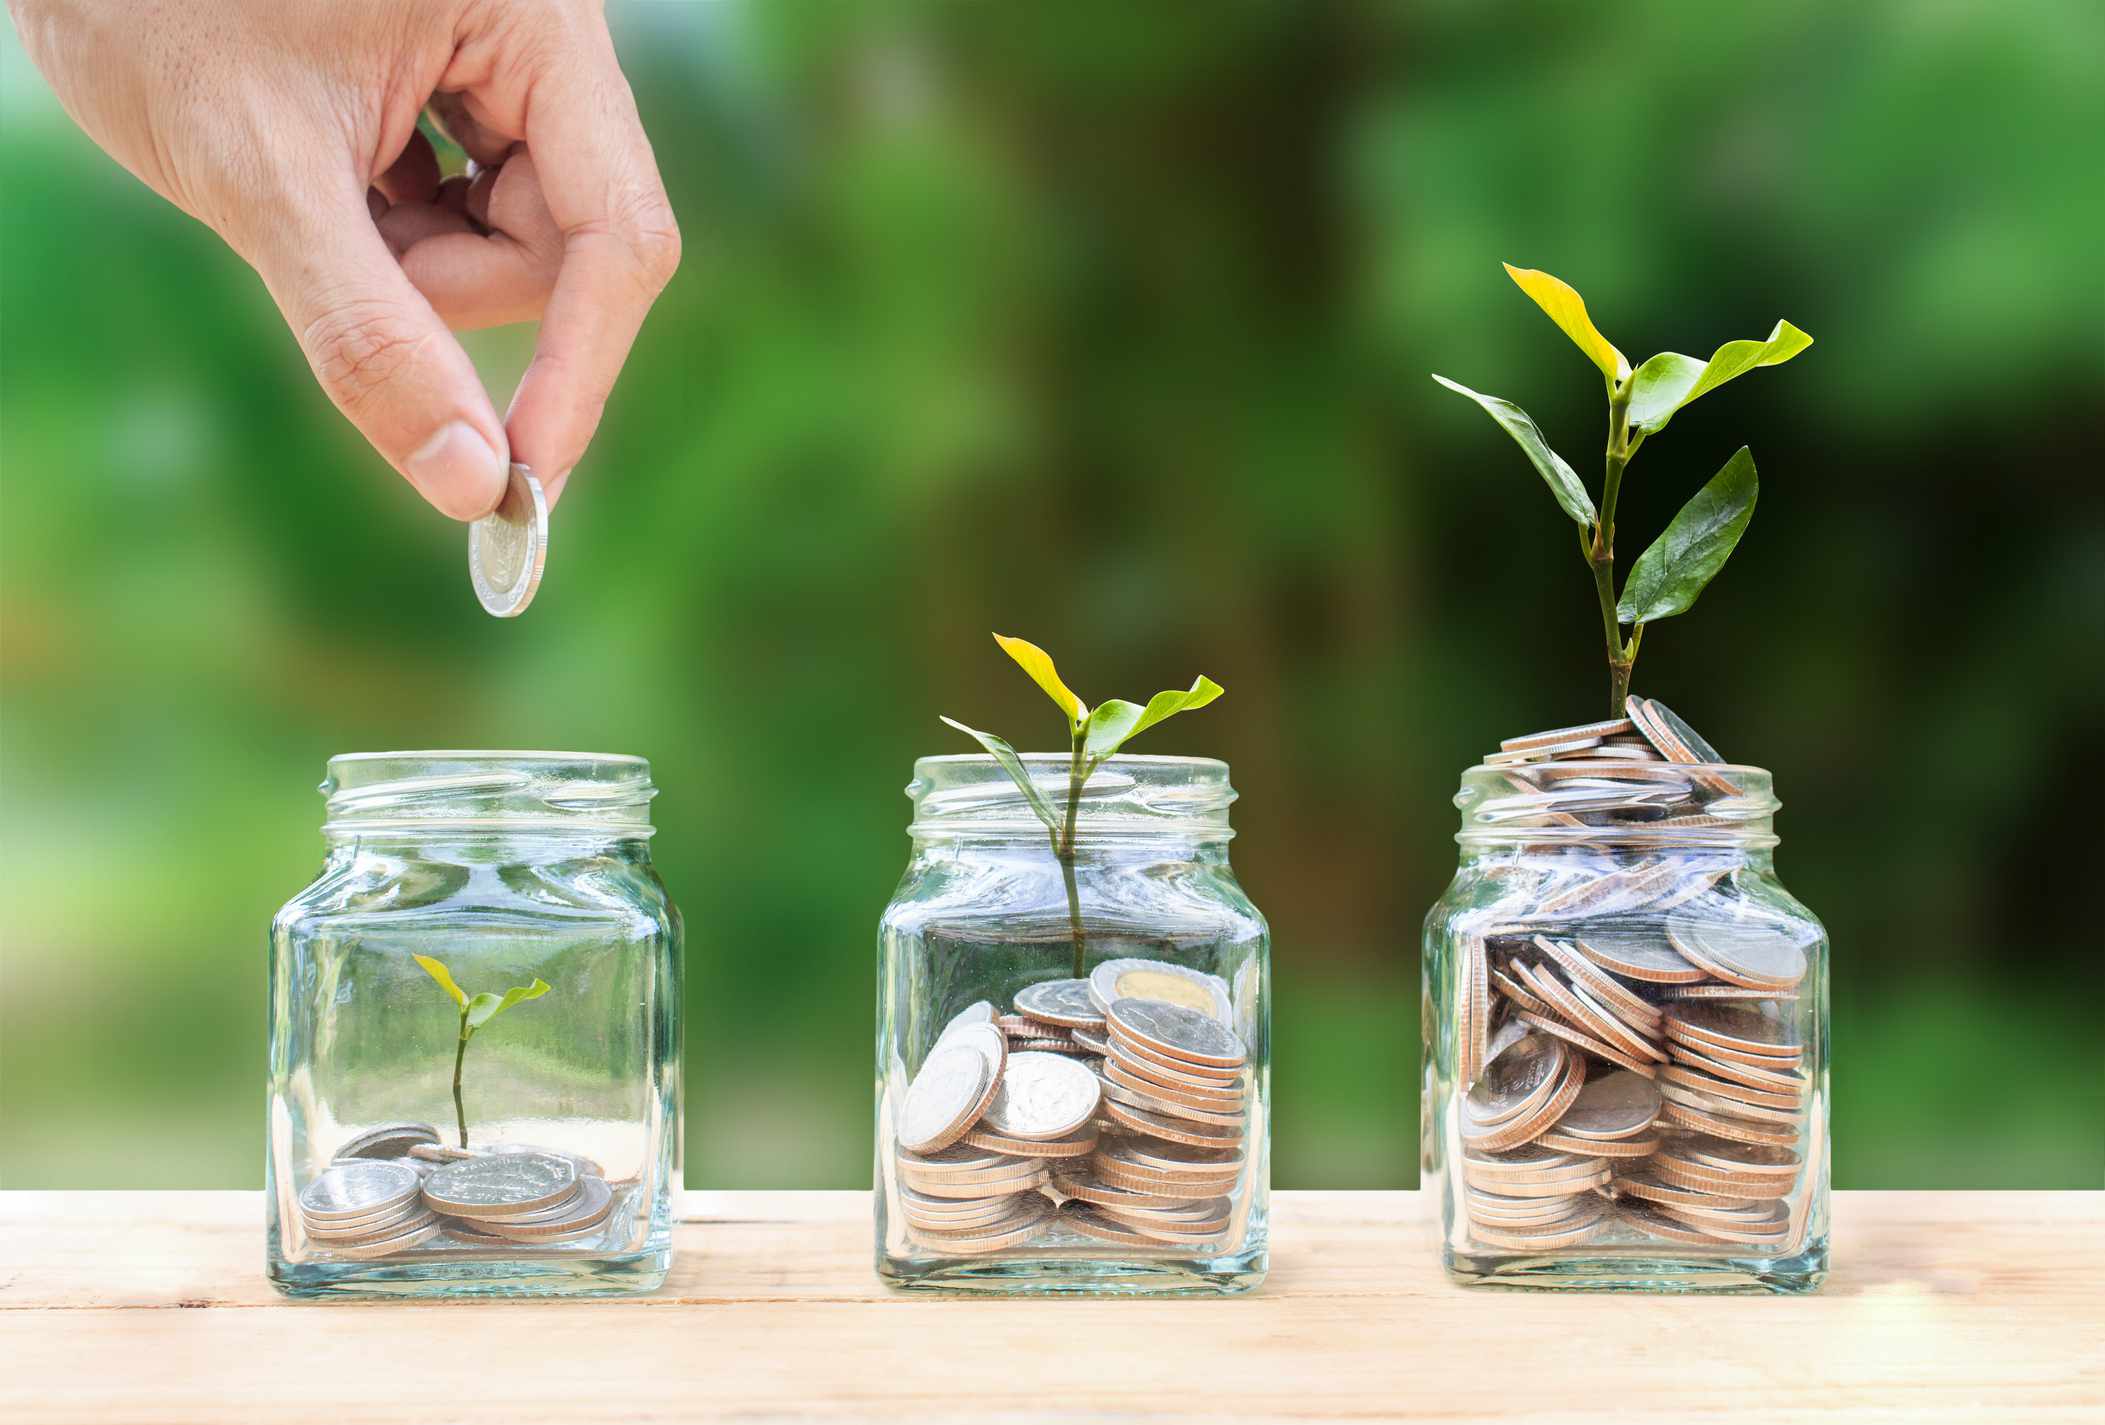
x=460, y=1110
x=1600, y=551
x=1064, y=849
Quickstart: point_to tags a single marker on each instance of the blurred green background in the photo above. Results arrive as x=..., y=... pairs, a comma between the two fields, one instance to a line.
x=1110, y=325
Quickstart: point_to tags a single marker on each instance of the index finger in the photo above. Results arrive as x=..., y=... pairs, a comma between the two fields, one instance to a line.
x=620, y=247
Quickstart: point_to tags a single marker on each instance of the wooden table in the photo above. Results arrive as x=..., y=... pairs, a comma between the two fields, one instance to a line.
x=152, y=1307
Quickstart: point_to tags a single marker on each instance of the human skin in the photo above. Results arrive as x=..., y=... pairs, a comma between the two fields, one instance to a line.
x=289, y=127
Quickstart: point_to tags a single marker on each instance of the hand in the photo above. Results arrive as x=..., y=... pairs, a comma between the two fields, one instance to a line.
x=290, y=128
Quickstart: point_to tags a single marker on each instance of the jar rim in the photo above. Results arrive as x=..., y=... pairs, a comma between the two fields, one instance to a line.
x=471, y=789
x=968, y=794
x=1723, y=805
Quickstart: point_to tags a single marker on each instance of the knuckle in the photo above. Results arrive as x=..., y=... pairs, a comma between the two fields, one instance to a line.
x=359, y=348
x=643, y=224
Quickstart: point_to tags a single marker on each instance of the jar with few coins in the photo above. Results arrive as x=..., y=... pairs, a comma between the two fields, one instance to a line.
x=475, y=1035
x=1625, y=1073
x=1072, y=1053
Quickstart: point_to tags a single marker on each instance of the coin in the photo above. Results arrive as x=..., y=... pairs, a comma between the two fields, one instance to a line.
x=1726, y=1089
x=1738, y=1158
x=1753, y=956
x=1732, y=1030
x=1529, y=1164
x=1516, y=1082
x=1078, y=1146
x=422, y=1231
x=1636, y=955
x=1034, y=1175
x=978, y=1012
x=590, y=1207
x=1587, y=1042
x=503, y=1185
x=1091, y=1220
x=1176, y=1130
x=1014, y=1230
x=1574, y=1008
x=1134, y=1098
x=1176, y=1031
x=1734, y=1128
x=438, y=1153
x=1654, y=1223
x=1215, y=1100
x=1165, y=1068
x=389, y=1140
x=1088, y=1189
x=956, y=1082
x=1600, y=985
x=1567, y=1232
x=1094, y=1041
x=1062, y=1002
x=368, y=1225
x=586, y=1167
x=1606, y=1147
x=361, y=1187
x=508, y=547
x=1160, y=980
x=1619, y=1105
x=1592, y=732
x=1174, y=1159
x=1042, y=1096
x=1733, y=1109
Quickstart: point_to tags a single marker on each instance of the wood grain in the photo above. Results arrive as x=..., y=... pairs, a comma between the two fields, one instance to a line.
x=1943, y=1306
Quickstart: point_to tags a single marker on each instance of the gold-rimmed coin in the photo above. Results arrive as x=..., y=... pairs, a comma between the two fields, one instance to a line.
x=1612, y=1106
x=1754, y=955
x=1162, y=981
x=1738, y=1129
x=1636, y=955
x=1732, y=1030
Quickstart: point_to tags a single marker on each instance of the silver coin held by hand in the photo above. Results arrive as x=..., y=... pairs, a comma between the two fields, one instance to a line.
x=508, y=546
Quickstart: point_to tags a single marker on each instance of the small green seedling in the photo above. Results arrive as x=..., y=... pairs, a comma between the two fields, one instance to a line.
x=475, y=1012
x=1094, y=735
x=1667, y=577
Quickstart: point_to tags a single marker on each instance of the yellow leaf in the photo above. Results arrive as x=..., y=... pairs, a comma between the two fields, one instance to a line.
x=1568, y=310
x=1038, y=663
x=437, y=971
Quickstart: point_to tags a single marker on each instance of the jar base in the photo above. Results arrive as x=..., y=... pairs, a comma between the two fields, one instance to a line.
x=1796, y=1274
x=1057, y=1275
x=631, y=1274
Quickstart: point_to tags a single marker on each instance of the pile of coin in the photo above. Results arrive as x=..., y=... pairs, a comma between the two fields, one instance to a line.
x=1626, y=1042
x=396, y=1187
x=1112, y=1108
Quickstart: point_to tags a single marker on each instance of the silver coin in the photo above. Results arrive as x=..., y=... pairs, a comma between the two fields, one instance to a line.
x=1160, y=980
x=1521, y=1076
x=501, y=1186
x=413, y=1236
x=1177, y=1030
x=952, y=1089
x=1748, y=954
x=978, y=1012
x=388, y=1140
x=586, y=1209
x=1593, y=731
x=1636, y=955
x=508, y=547
x=586, y=1167
x=1066, y=1003
x=1042, y=1096
x=362, y=1187
x=368, y=1225
x=1617, y=1105
x=1676, y=726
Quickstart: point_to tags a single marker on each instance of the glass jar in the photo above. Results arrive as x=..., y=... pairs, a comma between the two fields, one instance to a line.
x=1072, y=1055
x=1626, y=1015
x=475, y=1034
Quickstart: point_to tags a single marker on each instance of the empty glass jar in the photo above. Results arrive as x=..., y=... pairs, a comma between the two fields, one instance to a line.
x=475, y=1034
x=1626, y=1015
x=1072, y=1080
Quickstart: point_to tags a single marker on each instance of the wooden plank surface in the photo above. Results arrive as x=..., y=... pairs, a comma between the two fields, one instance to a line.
x=1943, y=1306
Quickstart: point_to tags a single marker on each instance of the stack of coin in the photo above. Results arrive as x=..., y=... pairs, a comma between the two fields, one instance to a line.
x=367, y=1207
x=506, y=1199
x=504, y=1194
x=1126, y=1112
x=1624, y=1026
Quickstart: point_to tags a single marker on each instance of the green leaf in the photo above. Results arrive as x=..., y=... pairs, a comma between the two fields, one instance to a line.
x=1117, y=721
x=1670, y=380
x=484, y=1008
x=1018, y=773
x=1038, y=663
x=438, y=971
x=1667, y=577
x=1568, y=310
x=1563, y=481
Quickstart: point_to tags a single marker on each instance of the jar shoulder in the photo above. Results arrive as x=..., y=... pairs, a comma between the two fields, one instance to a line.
x=1191, y=896
x=362, y=887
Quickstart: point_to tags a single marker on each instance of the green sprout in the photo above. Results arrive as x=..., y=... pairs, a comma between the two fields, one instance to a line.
x=1667, y=577
x=475, y=1012
x=1094, y=735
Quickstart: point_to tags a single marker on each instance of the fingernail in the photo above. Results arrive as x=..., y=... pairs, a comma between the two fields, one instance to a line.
x=458, y=472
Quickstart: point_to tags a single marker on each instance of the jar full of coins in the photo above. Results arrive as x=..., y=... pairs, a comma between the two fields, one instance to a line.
x=475, y=1034
x=1626, y=1059
x=1072, y=1053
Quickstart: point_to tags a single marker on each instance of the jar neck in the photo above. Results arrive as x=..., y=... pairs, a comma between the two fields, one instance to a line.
x=1131, y=806
x=1595, y=807
x=553, y=800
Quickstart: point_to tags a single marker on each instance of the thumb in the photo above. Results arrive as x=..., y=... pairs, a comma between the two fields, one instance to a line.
x=383, y=356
